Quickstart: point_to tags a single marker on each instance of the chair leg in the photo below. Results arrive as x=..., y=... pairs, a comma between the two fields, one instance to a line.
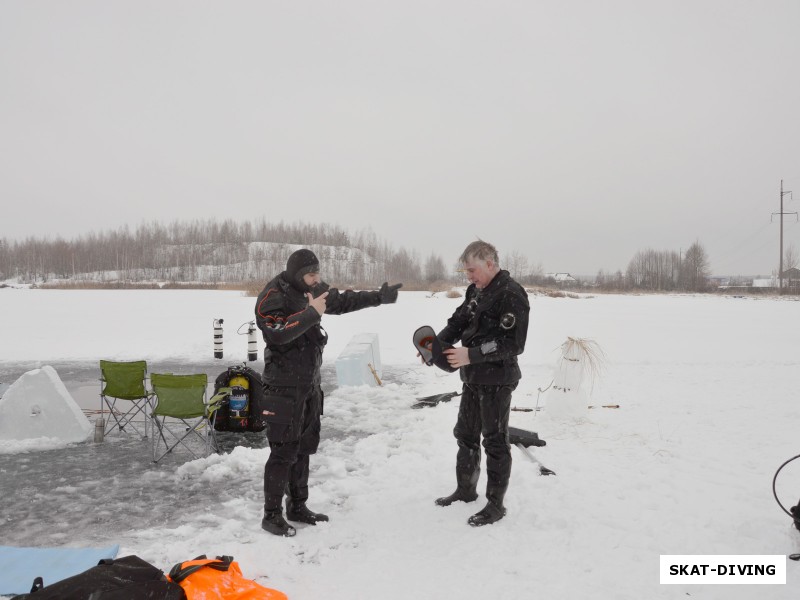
x=213, y=444
x=160, y=426
x=123, y=420
x=111, y=415
x=148, y=410
x=189, y=429
x=156, y=426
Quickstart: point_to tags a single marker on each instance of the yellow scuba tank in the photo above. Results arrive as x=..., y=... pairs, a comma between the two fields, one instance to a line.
x=240, y=400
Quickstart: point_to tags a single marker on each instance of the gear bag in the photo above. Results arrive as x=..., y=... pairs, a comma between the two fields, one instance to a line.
x=217, y=579
x=243, y=409
x=126, y=578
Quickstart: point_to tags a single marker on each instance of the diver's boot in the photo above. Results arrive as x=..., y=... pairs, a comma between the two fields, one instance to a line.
x=466, y=490
x=493, y=511
x=298, y=511
x=274, y=522
x=460, y=495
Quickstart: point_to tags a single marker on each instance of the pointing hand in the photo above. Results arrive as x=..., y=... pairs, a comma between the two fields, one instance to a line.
x=319, y=303
x=388, y=293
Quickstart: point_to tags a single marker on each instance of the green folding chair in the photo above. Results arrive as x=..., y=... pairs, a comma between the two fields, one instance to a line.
x=181, y=415
x=125, y=382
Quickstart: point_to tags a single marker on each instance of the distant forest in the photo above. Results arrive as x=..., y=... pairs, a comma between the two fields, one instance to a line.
x=246, y=254
x=215, y=252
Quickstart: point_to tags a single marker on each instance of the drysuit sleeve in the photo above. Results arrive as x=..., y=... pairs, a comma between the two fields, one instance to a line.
x=339, y=303
x=276, y=325
x=511, y=332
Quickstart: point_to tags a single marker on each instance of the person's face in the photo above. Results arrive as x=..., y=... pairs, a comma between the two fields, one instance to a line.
x=312, y=279
x=480, y=272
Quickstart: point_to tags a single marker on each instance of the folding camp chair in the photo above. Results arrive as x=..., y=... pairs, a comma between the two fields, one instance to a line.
x=181, y=413
x=124, y=381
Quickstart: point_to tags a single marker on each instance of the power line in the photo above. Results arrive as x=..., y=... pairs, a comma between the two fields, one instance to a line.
x=733, y=258
x=752, y=243
x=743, y=243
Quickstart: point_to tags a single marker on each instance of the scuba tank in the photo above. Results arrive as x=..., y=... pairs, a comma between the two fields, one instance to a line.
x=252, y=342
x=252, y=339
x=242, y=410
x=239, y=405
x=218, y=338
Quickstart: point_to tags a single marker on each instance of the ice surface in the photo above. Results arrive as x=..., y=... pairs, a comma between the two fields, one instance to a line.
x=707, y=388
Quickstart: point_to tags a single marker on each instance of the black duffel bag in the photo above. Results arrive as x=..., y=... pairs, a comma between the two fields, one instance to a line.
x=126, y=578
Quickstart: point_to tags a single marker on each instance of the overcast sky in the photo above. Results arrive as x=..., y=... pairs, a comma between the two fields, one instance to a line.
x=575, y=132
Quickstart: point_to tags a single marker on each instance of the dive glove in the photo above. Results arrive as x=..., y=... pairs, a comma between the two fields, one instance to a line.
x=388, y=293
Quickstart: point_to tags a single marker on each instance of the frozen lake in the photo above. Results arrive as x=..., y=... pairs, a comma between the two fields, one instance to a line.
x=707, y=388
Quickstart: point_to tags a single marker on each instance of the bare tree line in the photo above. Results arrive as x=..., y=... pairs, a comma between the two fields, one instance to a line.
x=662, y=270
x=210, y=251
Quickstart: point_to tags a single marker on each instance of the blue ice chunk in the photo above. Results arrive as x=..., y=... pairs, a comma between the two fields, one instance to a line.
x=353, y=364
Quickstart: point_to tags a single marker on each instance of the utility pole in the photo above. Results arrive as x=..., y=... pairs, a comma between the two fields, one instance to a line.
x=780, y=262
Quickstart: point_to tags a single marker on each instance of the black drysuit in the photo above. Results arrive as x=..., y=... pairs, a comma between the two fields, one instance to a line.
x=292, y=359
x=493, y=324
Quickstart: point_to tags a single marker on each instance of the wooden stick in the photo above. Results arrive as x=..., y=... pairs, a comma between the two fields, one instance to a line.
x=374, y=373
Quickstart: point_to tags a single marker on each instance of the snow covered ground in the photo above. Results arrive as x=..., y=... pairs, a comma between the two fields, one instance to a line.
x=707, y=388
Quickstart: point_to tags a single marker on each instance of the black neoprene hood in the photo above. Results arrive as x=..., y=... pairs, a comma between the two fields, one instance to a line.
x=301, y=262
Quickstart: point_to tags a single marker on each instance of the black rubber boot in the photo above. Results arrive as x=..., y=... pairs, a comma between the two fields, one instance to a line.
x=467, y=490
x=460, y=495
x=274, y=522
x=492, y=512
x=301, y=513
x=795, y=510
